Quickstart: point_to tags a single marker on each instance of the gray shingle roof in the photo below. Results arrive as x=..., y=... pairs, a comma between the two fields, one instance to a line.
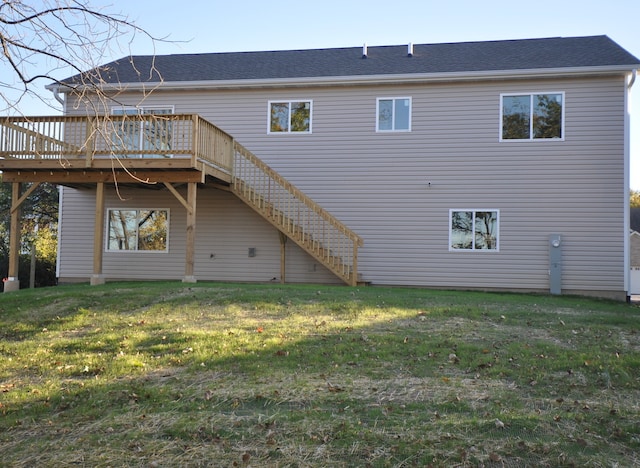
x=512, y=55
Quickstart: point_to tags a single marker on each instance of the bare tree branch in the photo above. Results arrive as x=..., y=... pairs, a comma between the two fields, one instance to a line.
x=40, y=40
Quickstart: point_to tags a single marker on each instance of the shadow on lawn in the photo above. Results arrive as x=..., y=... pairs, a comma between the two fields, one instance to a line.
x=445, y=381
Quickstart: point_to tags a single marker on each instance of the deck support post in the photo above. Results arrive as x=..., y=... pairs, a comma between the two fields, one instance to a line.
x=189, y=269
x=283, y=257
x=354, y=277
x=98, y=237
x=12, y=283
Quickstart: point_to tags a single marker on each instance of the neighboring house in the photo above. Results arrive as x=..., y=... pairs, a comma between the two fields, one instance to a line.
x=635, y=249
x=635, y=238
x=634, y=243
x=484, y=165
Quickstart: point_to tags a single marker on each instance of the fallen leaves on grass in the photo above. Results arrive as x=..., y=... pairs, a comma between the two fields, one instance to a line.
x=334, y=388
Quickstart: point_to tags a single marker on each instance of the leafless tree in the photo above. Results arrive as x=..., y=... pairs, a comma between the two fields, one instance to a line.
x=48, y=40
x=44, y=42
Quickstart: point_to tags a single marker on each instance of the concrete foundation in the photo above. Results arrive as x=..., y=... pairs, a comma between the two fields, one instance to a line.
x=11, y=284
x=97, y=280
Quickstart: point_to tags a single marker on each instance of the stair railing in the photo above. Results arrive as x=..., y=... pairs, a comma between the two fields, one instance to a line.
x=296, y=215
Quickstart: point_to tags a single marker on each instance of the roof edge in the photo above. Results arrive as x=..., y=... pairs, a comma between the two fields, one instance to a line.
x=354, y=80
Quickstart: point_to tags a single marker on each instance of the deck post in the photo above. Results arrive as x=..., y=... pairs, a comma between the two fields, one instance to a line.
x=354, y=278
x=196, y=135
x=12, y=283
x=90, y=128
x=98, y=237
x=283, y=257
x=191, y=234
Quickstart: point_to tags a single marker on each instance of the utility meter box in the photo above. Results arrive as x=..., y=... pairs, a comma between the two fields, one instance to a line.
x=555, y=263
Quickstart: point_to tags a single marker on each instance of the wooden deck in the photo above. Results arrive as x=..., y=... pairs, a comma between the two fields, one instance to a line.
x=78, y=150
x=163, y=150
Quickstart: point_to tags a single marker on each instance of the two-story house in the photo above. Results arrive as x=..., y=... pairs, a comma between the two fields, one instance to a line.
x=498, y=165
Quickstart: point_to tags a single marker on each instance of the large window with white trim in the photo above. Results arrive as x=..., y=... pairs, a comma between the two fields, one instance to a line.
x=394, y=114
x=473, y=230
x=290, y=116
x=138, y=230
x=535, y=116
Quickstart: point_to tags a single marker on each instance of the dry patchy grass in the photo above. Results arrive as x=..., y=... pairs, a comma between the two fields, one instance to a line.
x=156, y=375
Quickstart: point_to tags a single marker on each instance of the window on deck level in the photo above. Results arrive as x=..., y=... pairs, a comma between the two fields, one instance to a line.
x=290, y=117
x=532, y=116
x=142, y=230
x=154, y=133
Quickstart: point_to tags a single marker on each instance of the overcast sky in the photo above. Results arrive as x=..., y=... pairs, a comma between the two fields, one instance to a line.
x=196, y=26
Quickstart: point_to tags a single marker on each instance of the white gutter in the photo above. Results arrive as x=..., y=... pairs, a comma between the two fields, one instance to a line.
x=351, y=80
x=634, y=72
x=627, y=183
x=55, y=89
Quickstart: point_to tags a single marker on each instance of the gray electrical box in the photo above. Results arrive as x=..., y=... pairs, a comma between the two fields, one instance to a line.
x=555, y=263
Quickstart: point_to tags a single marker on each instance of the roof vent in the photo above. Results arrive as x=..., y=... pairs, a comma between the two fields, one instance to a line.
x=364, y=50
x=410, y=50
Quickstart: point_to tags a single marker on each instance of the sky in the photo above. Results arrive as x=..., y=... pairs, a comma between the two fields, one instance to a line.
x=200, y=26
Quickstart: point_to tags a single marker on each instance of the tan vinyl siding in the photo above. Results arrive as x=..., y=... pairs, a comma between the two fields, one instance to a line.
x=75, y=242
x=396, y=189
x=225, y=230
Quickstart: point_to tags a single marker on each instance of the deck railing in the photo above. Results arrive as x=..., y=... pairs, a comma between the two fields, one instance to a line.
x=213, y=145
x=41, y=137
x=119, y=136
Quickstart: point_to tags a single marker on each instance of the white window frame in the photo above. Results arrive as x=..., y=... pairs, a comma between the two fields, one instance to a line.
x=289, y=102
x=531, y=94
x=393, y=117
x=474, y=211
x=136, y=250
x=141, y=110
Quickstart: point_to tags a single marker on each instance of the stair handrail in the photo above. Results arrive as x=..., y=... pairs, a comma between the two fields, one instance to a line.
x=296, y=215
x=296, y=192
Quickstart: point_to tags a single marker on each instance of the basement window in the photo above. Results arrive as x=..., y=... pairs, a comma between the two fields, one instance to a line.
x=290, y=117
x=473, y=230
x=138, y=230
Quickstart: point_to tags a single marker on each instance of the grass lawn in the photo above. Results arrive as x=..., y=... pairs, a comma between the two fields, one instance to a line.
x=174, y=375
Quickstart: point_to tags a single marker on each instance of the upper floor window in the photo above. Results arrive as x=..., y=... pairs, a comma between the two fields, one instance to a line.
x=532, y=116
x=138, y=230
x=473, y=230
x=394, y=114
x=290, y=117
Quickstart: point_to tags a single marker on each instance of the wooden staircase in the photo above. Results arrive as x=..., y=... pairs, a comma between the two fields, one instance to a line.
x=171, y=148
x=295, y=215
